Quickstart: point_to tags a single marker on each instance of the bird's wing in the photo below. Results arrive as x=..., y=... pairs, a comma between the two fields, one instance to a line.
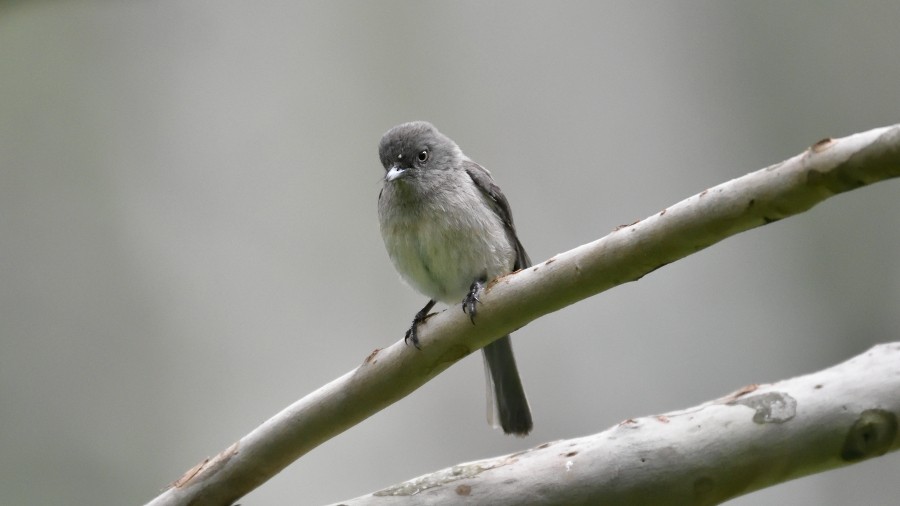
x=483, y=180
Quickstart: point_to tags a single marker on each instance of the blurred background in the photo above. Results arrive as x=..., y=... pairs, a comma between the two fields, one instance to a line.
x=189, y=242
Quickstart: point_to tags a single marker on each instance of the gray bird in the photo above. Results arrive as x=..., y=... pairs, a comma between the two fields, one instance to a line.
x=449, y=230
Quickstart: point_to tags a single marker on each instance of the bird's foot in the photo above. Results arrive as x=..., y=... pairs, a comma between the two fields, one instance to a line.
x=470, y=302
x=412, y=334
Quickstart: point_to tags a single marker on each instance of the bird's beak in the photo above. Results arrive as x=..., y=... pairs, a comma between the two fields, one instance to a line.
x=394, y=173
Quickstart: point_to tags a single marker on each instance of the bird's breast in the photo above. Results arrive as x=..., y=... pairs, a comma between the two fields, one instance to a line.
x=440, y=248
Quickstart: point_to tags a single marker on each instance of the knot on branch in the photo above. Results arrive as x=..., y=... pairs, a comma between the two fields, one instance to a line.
x=872, y=435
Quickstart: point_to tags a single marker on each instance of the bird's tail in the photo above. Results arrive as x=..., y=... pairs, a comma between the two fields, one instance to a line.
x=510, y=406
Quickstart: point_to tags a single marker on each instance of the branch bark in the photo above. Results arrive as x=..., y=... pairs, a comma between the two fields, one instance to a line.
x=753, y=438
x=827, y=168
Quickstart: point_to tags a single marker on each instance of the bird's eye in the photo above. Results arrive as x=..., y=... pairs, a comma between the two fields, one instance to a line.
x=422, y=157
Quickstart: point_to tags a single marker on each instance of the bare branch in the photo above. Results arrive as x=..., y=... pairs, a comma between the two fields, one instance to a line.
x=630, y=252
x=753, y=438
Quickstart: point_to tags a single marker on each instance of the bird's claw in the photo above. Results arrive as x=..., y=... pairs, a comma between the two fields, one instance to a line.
x=470, y=302
x=412, y=335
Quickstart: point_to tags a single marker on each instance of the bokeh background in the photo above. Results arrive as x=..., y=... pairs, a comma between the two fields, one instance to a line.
x=189, y=243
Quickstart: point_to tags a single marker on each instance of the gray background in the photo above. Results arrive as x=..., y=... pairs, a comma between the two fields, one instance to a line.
x=188, y=239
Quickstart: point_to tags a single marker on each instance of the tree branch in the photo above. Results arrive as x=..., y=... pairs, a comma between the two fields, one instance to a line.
x=630, y=252
x=753, y=438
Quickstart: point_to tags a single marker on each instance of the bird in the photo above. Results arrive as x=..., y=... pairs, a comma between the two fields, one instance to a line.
x=448, y=230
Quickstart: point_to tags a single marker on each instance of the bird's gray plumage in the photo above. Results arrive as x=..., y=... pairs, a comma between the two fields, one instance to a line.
x=448, y=228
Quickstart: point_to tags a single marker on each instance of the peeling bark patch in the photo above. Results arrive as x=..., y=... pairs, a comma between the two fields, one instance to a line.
x=208, y=465
x=822, y=145
x=443, y=477
x=744, y=390
x=371, y=358
x=620, y=227
x=465, y=490
x=771, y=407
x=872, y=435
x=189, y=474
